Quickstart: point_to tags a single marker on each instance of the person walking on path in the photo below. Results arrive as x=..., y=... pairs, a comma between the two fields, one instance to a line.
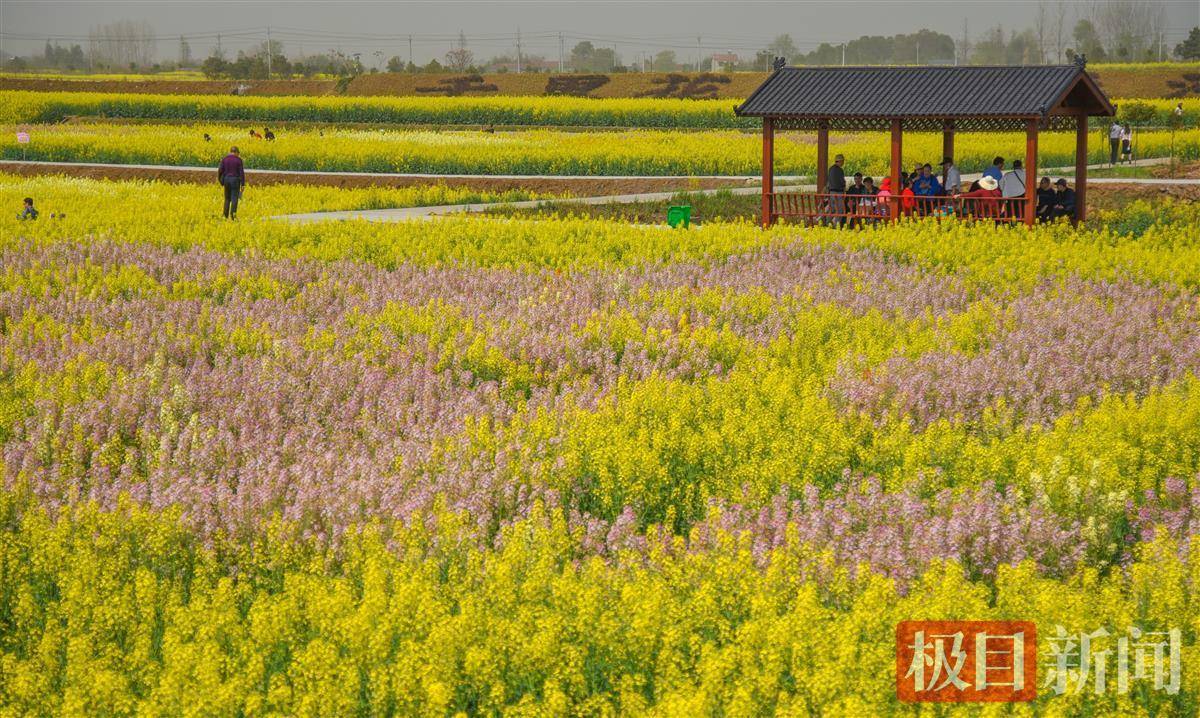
x=232, y=176
x=1114, y=141
x=835, y=185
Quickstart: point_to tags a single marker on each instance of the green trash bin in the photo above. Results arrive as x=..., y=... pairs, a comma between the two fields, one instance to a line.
x=679, y=215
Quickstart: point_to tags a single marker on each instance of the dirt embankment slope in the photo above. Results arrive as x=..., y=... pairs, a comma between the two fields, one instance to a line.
x=1156, y=80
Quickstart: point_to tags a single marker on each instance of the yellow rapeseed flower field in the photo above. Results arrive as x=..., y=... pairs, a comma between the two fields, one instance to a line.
x=636, y=152
x=496, y=466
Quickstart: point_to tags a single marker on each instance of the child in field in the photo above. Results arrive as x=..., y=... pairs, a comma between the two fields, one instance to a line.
x=29, y=212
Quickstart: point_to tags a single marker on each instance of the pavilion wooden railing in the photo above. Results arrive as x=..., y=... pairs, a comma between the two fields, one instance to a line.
x=857, y=210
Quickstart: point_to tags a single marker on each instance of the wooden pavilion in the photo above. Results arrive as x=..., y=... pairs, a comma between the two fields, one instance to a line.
x=949, y=99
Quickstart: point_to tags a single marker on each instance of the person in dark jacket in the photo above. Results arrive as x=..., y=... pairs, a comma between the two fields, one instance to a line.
x=29, y=211
x=835, y=185
x=1046, y=197
x=232, y=176
x=854, y=191
x=1064, y=201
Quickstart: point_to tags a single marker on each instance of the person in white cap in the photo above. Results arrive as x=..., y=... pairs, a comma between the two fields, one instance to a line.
x=835, y=186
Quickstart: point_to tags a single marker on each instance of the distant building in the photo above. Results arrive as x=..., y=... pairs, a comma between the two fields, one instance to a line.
x=724, y=61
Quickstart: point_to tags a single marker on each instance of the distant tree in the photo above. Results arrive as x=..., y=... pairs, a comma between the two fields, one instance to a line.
x=924, y=46
x=783, y=46
x=1087, y=41
x=1189, y=49
x=76, y=60
x=582, y=55
x=921, y=47
x=214, y=66
x=1022, y=49
x=1137, y=113
x=123, y=42
x=459, y=59
x=433, y=67
x=185, y=52
x=665, y=62
x=17, y=64
x=395, y=64
x=991, y=49
x=605, y=60
x=1130, y=29
x=586, y=57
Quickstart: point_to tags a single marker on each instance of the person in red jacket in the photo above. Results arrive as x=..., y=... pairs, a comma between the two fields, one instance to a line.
x=232, y=176
x=985, y=201
x=908, y=198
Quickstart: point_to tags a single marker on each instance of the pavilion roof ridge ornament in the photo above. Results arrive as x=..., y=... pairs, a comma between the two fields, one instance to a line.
x=778, y=64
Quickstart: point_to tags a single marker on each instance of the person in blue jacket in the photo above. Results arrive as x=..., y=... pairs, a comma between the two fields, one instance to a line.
x=996, y=171
x=926, y=185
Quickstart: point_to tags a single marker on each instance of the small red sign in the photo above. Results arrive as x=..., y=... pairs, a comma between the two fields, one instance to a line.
x=966, y=661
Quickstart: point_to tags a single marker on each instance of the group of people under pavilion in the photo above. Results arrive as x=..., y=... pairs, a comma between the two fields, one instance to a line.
x=997, y=193
x=946, y=99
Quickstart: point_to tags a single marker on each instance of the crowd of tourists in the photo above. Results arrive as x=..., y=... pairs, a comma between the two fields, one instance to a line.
x=998, y=193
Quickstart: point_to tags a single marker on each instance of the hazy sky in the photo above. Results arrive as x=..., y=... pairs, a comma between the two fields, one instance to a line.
x=631, y=27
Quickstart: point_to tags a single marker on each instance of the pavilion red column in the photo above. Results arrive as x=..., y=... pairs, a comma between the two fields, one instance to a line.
x=897, y=151
x=768, y=170
x=1031, y=150
x=947, y=144
x=1081, y=163
x=822, y=156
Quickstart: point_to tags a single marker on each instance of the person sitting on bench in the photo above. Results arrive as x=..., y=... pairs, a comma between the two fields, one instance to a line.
x=1064, y=201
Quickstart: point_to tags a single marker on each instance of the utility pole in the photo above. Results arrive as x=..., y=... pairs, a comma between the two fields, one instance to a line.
x=220, y=52
x=698, y=51
x=518, y=51
x=843, y=54
x=965, y=46
x=410, y=50
x=918, y=52
x=560, y=52
x=270, y=51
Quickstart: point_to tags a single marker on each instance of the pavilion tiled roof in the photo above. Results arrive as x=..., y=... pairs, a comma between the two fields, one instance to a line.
x=936, y=92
